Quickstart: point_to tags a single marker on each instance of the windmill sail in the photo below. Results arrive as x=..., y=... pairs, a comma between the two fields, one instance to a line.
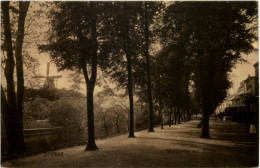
x=50, y=80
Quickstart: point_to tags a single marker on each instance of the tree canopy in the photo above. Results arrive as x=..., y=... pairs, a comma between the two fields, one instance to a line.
x=217, y=33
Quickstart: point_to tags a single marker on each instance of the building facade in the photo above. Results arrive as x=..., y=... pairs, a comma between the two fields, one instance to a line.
x=246, y=98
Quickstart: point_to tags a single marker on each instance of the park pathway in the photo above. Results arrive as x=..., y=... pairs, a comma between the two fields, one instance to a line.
x=176, y=146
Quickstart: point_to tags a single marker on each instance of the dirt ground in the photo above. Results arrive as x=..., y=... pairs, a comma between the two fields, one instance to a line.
x=230, y=145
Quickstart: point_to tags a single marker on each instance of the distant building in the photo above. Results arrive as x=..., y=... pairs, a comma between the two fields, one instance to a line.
x=225, y=104
x=246, y=97
x=247, y=89
x=250, y=85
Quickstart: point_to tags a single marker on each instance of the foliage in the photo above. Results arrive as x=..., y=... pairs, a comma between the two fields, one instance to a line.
x=42, y=104
x=69, y=114
x=142, y=119
x=216, y=46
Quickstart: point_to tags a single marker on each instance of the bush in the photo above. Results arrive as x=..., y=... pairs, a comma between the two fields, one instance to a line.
x=69, y=113
x=65, y=108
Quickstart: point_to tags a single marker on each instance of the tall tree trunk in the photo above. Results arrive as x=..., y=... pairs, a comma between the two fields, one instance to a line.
x=131, y=99
x=159, y=117
x=170, y=117
x=129, y=75
x=206, y=109
x=91, y=145
x=183, y=115
x=189, y=114
x=9, y=71
x=205, y=122
x=105, y=124
x=208, y=66
x=91, y=82
x=175, y=115
x=117, y=127
x=117, y=122
x=160, y=106
x=23, y=8
x=179, y=115
x=128, y=119
x=7, y=119
x=148, y=75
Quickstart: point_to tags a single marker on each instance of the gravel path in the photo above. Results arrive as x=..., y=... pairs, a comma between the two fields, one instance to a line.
x=176, y=146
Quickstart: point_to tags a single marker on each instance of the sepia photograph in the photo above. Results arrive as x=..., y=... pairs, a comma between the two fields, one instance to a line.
x=129, y=84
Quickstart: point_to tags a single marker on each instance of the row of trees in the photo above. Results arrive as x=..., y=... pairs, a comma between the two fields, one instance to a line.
x=111, y=32
x=11, y=106
x=213, y=35
x=197, y=44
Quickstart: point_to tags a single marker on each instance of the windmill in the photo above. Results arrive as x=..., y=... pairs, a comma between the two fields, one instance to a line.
x=50, y=80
